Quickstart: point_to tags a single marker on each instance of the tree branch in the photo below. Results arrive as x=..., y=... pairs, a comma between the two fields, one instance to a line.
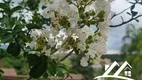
x=125, y=22
x=66, y=56
x=120, y=12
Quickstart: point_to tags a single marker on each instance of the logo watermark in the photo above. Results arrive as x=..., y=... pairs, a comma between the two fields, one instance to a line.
x=108, y=68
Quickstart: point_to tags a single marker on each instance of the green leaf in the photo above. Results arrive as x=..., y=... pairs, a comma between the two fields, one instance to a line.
x=14, y=49
x=69, y=1
x=101, y=14
x=40, y=68
x=62, y=66
x=33, y=26
x=89, y=40
x=73, y=71
x=17, y=28
x=93, y=22
x=32, y=59
x=64, y=22
x=33, y=4
x=92, y=12
x=61, y=70
x=15, y=9
x=23, y=37
x=45, y=75
x=1, y=71
x=5, y=7
x=6, y=37
x=53, y=67
x=82, y=15
x=81, y=10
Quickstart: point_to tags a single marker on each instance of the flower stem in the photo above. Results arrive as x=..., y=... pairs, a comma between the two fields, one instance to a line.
x=66, y=56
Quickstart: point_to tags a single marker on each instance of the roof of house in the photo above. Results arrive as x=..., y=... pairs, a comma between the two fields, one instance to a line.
x=9, y=72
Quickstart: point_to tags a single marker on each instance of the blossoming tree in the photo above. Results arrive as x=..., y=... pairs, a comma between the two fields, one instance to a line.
x=78, y=27
x=59, y=27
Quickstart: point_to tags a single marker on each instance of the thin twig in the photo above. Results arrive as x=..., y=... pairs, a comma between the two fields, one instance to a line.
x=120, y=12
x=124, y=10
x=125, y=22
x=66, y=56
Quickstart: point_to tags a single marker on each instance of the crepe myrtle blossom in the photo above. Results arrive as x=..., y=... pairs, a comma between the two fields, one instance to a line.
x=70, y=29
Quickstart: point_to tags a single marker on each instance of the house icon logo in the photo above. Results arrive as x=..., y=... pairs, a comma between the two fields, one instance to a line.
x=126, y=67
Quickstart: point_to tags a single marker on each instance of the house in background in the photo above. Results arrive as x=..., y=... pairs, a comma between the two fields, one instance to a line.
x=127, y=71
x=9, y=74
x=126, y=67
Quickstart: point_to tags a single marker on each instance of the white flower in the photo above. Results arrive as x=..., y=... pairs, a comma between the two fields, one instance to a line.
x=32, y=45
x=48, y=14
x=92, y=50
x=60, y=38
x=47, y=52
x=35, y=33
x=45, y=1
x=45, y=33
x=62, y=8
x=82, y=37
x=110, y=1
x=87, y=30
x=73, y=15
x=103, y=26
x=81, y=46
x=84, y=61
x=78, y=2
x=51, y=42
x=54, y=32
x=57, y=34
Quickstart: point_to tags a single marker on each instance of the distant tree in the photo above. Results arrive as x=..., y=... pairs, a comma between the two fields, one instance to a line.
x=131, y=51
x=87, y=72
x=21, y=23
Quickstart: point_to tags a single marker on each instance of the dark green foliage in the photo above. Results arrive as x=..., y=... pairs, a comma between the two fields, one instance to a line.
x=14, y=49
x=39, y=68
x=87, y=72
x=19, y=63
x=52, y=67
x=6, y=37
x=131, y=51
x=1, y=72
x=33, y=4
x=32, y=59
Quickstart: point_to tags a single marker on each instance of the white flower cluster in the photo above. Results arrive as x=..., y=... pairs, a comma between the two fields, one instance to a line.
x=65, y=33
x=99, y=47
x=59, y=9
